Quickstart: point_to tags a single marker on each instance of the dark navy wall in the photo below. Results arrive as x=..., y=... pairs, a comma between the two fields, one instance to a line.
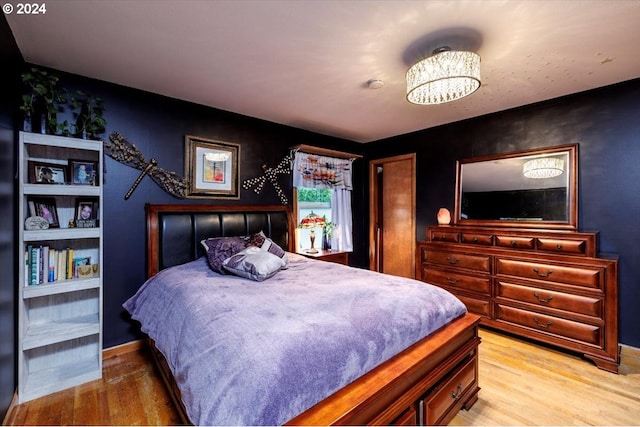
x=9, y=97
x=604, y=122
x=157, y=125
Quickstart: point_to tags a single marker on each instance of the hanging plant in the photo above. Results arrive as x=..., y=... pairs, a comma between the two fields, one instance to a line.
x=42, y=101
x=89, y=119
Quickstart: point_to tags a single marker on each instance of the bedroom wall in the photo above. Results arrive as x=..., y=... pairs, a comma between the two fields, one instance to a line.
x=604, y=122
x=10, y=59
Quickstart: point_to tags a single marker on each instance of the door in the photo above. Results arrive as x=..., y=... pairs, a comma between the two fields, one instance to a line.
x=392, y=234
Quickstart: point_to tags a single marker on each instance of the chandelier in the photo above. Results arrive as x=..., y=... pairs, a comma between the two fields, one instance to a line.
x=544, y=167
x=445, y=76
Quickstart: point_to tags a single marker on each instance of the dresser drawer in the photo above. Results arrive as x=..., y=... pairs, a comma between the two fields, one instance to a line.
x=562, y=246
x=590, y=306
x=444, y=236
x=515, y=242
x=438, y=404
x=478, y=306
x=580, y=276
x=455, y=259
x=457, y=280
x=477, y=239
x=586, y=333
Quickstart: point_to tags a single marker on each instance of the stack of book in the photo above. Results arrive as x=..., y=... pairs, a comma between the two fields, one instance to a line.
x=47, y=265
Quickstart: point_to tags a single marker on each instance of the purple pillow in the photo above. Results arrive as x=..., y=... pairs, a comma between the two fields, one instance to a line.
x=220, y=248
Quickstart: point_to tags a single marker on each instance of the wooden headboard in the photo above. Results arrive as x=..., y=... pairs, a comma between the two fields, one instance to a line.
x=174, y=232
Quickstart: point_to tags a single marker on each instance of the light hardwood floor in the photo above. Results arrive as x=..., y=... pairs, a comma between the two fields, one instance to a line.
x=522, y=384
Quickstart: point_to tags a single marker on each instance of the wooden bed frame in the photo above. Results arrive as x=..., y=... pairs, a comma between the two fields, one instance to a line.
x=426, y=384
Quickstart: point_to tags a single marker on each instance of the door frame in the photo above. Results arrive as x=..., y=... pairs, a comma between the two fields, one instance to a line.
x=374, y=194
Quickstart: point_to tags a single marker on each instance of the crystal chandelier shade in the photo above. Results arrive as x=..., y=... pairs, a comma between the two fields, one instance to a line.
x=445, y=76
x=545, y=167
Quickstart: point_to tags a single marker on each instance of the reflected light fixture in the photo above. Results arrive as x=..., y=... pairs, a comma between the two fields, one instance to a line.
x=444, y=76
x=543, y=167
x=310, y=222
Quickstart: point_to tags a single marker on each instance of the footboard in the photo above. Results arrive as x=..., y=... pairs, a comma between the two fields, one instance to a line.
x=427, y=384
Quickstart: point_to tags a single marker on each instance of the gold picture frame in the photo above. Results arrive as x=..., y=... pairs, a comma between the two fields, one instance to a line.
x=212, y=168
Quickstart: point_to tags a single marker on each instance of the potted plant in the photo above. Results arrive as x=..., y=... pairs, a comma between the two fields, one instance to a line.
x=42, y=101
x=89, y=119
x=327, y=234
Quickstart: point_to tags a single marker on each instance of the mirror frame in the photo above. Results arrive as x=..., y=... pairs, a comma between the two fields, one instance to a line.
x=572, y=195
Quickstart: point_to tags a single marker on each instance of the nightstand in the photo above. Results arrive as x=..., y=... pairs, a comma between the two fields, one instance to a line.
x=339, y=257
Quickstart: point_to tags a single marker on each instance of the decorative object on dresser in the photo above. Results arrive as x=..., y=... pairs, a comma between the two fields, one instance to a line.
x=444, y=216
x=546, y=281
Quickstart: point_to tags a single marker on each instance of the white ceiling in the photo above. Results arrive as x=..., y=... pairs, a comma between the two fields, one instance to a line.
x=306, y=63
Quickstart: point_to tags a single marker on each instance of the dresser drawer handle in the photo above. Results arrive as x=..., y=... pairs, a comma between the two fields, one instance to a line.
x=559, y=246
x=457, y=394
x=475, y=240
x=542, y=325
x=547, y=274
x=513, y=243
x=452, y=281
x=451, y=260
x=535, y=294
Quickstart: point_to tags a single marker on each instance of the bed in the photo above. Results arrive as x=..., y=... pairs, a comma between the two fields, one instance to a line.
x=351, y=346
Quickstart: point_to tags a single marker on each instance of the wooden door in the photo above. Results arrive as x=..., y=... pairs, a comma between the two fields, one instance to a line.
x=392, y=233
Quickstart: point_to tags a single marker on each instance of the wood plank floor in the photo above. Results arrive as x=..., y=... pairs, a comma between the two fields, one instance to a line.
x=522, y=384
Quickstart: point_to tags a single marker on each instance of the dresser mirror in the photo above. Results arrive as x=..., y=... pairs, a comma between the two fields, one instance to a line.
x=526, y=189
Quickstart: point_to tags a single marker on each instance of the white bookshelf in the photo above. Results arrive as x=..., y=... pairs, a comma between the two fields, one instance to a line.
x=60, y=322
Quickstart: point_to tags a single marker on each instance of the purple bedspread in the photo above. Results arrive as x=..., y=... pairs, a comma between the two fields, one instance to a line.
x=259, y=353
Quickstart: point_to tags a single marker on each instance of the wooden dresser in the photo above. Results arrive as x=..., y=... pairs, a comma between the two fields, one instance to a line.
x=546, y=285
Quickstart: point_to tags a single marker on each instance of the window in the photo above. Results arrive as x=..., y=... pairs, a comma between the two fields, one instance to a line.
x=318, y=201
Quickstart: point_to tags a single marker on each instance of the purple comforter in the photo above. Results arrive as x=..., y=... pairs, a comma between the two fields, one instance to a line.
x=259, y=353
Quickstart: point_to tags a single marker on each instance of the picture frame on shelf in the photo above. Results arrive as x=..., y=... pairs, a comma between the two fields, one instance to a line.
x=83, y=172
x=212, y=168
x=47, y=173
x=84, y=264
x=86, y=212
x=46, y=208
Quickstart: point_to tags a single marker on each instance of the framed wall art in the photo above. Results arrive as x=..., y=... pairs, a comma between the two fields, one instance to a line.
x=83, y=172
x=212, y=168
x=47, y=173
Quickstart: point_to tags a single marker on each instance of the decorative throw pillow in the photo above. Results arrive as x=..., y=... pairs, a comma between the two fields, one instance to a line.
x=220, y=248
x=265, y=243
x=254, y=263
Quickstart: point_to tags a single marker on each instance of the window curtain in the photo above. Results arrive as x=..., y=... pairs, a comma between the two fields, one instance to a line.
x=314, y=171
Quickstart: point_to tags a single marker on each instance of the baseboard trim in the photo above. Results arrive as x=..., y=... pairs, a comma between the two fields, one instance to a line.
x=630, y=352
x=127, y=347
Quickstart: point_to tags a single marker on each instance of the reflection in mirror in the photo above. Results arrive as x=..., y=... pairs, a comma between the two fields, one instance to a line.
x=523, y=189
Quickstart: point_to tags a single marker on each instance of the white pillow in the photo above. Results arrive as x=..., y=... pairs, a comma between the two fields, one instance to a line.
x=254, y=263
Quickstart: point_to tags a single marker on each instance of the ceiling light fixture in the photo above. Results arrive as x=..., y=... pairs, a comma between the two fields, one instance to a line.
x=445, y=76
x=544, y=167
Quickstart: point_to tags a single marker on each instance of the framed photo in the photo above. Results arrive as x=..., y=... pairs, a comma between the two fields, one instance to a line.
x=47, y=173
x=83, y=172
x=86, y=213
x=212, y=168
x=46, y=208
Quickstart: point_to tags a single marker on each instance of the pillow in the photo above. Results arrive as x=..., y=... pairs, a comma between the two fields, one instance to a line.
x=254, y=263
x=220, y=248
x=265, y=243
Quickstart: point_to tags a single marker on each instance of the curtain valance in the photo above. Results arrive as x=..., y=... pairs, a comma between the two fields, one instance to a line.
x=315, y=171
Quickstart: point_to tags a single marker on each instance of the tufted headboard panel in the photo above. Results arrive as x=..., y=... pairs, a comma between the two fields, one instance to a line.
x=174, y=232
